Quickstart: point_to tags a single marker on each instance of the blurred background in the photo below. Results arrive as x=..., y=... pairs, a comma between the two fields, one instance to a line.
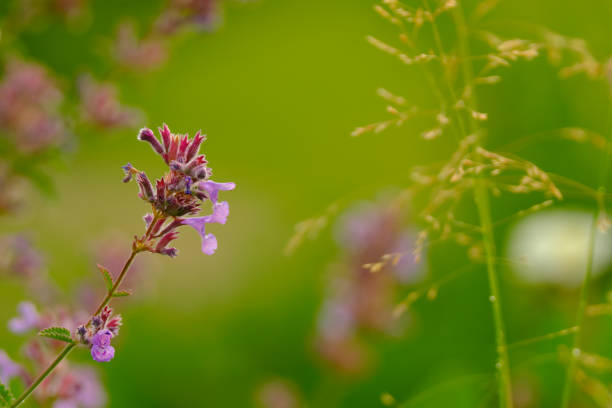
x=278, y=86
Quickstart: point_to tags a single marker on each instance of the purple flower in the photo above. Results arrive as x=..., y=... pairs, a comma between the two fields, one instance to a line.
x=212, y=188
x=102, y=338
x=219, y=215
x=209, y=241
x=28, y=318
x=101, y=349
x=209, y=244
x=180, y=192
x=8, y=368
x=102, y=354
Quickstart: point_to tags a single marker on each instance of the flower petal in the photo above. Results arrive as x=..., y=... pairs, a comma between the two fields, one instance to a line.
x=213, y=188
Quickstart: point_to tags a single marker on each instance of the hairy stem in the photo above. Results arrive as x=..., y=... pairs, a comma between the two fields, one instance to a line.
x=104, y=302
x=44, y=375
x=503, y=363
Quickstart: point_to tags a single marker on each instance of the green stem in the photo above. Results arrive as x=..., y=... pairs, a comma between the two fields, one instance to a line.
x=586, y=283
x=503, y=362
x=44, y=375
x=118, y=281
x=582, y=303
x=481, y=196
x=70, y=346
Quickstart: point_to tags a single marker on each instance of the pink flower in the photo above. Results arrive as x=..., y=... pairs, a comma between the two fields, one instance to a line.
x=101, y=106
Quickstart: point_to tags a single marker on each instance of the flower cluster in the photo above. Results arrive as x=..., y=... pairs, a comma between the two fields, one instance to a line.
x=72, y=385
x=178, y=193
x=30, y=103
x=98, y=333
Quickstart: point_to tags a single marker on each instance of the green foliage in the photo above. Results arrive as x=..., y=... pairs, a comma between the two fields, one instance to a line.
x=108, y=280
x=57, y=333
x=122, y=293
x=6, y=396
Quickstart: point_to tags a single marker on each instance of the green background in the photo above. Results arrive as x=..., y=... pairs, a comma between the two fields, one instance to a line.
x=278, y=89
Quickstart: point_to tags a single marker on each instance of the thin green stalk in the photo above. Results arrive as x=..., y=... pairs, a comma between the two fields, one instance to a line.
x=503, y=362
x=101, y=306
x=582, y=303
x=481, y=197
x=586, y=283
x=44, y=375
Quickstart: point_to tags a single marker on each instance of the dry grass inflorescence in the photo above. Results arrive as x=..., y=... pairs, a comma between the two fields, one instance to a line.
x=475, y=172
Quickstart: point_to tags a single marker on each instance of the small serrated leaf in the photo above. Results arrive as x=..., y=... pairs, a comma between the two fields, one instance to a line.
x=6, y=396
x=108, y=279
x=122, y=293
x=57, y=333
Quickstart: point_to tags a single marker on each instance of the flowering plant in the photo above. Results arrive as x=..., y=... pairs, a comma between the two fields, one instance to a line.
x=179, y=193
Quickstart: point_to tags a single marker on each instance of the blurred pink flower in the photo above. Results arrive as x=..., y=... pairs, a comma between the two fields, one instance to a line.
x=30, y=103
x=80, y=387
x=138, y=54
x=278, y=393
x=200, y=14
x=100, y=105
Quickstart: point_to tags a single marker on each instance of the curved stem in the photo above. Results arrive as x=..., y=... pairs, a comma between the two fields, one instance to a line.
x=503, y=363
x=44, y=375
x=101, y=306
x=118, y=281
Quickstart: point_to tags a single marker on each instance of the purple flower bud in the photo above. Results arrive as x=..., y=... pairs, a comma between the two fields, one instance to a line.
x=147, y=135
x=146, y=189
x=128, y=170
x=176, y=166
x=171, y=252
x=96, y=321
x=200, y=172
x=188, y=183
x=102, y=338
x=147, y=219
x=161, y=193
x=212, y=188
x=165, y=240
x=102, y=354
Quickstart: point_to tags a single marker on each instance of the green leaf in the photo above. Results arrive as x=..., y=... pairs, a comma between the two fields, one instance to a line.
x=57, y=333
x=108, y=279
x=6, y=396
x=122, y=293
